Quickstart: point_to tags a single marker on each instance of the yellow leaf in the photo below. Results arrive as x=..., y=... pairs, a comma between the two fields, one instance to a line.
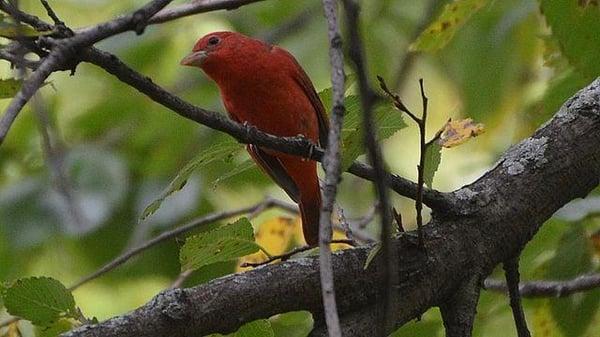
x=276, y=236
x=458, y=132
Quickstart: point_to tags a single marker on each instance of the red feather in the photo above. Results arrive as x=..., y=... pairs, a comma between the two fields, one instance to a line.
x=264, y=86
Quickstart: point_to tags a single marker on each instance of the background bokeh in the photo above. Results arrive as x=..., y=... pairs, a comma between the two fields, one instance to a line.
x=503, y=68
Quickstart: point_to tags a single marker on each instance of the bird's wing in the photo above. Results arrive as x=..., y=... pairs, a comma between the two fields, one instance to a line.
x=273, y=167
x=304, y=82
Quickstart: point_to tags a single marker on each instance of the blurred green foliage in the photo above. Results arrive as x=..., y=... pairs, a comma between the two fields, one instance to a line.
x=508, y=65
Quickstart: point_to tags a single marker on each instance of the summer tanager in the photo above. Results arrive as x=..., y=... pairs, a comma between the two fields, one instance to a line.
x=264, y=86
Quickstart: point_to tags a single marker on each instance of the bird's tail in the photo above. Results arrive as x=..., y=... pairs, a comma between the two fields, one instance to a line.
x=310, y=210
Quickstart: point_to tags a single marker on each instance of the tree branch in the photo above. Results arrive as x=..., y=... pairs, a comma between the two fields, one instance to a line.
x=65, y=50
x=367, y=98
x=458, y=311
x=246, y=134
x=196, y=7
x=502, y=211
x=206, y=219
x=545, y=288
x=332, y=167
x=511, y=269
x=72, y=50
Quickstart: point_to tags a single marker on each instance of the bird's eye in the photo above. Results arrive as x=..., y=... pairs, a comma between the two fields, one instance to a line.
x=213, y=40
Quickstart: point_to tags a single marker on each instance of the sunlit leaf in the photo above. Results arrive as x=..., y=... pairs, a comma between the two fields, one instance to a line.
x=576, y=25
x=57, y=328
x=41, y=300
x=224, y=243
x=276, y=236
x=12, y=30
x=441, y=31
x=9, y=87
x=218, y=152
x=292, y=324
x=258, y=328
x=459, y=131
x=433, y=157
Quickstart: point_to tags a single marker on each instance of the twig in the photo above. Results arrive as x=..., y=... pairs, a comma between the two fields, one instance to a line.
x=544, y=288
x=332, y=167
x=298, y=250
x=344, y=223
x=66, y=50
x=197, y=7
x=181, y=278
x=424, y=145
x=17, y=60
x=367, y=96
x=421, y=167
x=511, y=269
x=367, y=218
x=398, y=218
x=291, y=145
x=270, y=202
x=169, y=235
x=54, y=157
x=52, y=14
x=28, y=88
x=27, y=18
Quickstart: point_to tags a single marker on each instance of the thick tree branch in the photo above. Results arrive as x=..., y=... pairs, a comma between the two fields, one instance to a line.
x=458, y=311
x=502, y=211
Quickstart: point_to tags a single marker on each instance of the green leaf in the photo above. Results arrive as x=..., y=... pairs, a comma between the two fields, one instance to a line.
x=238, y=169
x=224, y=243
x=372, y=254
x=292, y=324
x=9, y=87
x=441, y=31
x=573, y=314
x=41, y=300
x=12, y=30
x=387, y=121
x=221, y=151
x=433, y=157
x=258, y=328
x=57, y=328
x=326, y=95
x=576, y=25
x=418, y=328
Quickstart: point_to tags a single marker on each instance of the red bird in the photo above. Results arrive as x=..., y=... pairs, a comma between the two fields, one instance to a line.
x=264, y=86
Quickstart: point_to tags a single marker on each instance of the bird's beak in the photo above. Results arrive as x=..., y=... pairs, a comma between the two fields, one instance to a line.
x=194, y=59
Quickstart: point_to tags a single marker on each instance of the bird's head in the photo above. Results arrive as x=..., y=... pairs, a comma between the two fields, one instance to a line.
x=210, y=46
